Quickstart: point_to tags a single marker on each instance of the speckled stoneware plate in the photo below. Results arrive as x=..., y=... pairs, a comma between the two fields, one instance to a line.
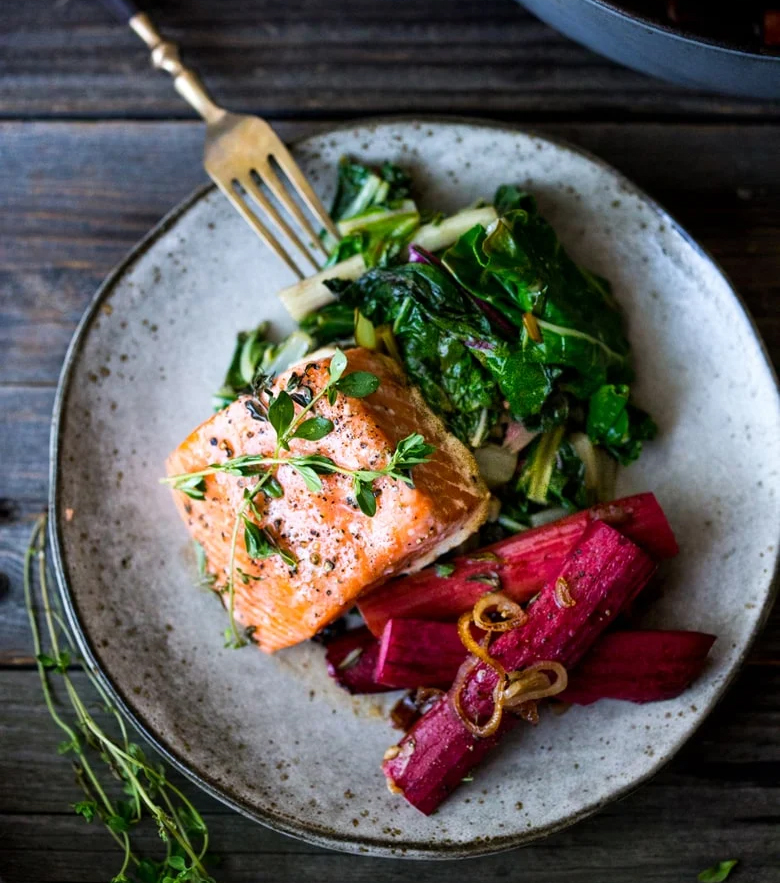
x=272, y=736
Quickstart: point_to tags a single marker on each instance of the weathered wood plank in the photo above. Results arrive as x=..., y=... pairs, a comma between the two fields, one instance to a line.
x=74, y=197
x=722, y=791
x=608, y=849
x=304, y=57
x=73, y=200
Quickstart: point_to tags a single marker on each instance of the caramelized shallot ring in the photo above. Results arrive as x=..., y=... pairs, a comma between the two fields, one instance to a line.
x=531, y=684
x=477, y=648
x=481, y=731
x=513, y=615
x=563, y=596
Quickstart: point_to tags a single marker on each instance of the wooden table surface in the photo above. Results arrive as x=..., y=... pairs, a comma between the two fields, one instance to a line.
x=95, y=147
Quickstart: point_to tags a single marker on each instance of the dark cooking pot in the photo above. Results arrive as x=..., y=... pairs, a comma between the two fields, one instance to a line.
x=638, y=42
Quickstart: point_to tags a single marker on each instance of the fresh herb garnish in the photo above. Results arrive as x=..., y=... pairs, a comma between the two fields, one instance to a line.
x=314, y=429
x=150, y=794
x=717, y=873
x=258, y=542
x=443, y=570
x=206, y=579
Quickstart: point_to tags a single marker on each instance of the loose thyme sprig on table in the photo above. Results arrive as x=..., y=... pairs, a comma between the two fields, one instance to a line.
x=150, y=794
x=280, y=413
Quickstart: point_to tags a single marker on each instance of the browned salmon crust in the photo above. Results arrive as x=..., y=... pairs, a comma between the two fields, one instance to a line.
x=340, y=551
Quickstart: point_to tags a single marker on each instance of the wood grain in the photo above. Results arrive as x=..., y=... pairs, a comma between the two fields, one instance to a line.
x=310, y=58
x=722, y=792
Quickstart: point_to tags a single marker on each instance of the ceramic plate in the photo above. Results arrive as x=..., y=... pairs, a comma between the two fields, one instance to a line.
x=272, y=736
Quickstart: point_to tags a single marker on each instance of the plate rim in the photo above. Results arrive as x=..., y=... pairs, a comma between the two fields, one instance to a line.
x=306, y=831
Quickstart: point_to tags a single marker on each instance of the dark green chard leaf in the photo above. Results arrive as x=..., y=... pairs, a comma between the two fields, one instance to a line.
x=445, y=342
x=334, y=322
x=519, y=267
x=359, y=188
x=618, y=425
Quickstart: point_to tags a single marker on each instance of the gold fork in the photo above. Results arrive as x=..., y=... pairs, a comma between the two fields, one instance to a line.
x=241, y=153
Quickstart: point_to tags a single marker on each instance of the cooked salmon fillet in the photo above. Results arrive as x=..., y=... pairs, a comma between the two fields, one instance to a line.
x=340, y=551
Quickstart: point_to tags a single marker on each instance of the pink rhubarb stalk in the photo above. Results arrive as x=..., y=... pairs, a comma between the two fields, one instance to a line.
x=520, y=565
x=603, y=573
x=352, y=659
x=641, y=666
x=636, y=666
x=418, y=653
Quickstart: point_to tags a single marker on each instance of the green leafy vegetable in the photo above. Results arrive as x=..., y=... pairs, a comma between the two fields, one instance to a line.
x=537, y=472
x=334, y=323
x=359, y=188
x=519, y=267
x=445, y=343
x=373, y=213
x=443, y=570
x=618, y=425
x=718, y=873
x=255, y=355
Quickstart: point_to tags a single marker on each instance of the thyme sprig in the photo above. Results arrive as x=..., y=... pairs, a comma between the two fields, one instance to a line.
x=287, y=425
x=150, y=794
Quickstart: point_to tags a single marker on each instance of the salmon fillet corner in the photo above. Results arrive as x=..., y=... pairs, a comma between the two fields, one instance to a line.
x=340, y=551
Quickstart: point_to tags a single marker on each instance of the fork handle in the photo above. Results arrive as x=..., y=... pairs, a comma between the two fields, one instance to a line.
x=165, y=57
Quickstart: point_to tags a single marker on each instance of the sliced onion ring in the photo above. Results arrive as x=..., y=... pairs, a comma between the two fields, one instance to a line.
x=532, y=684
x=481, y=731
x=563, y=596
x=478, y=648
x=513, y=615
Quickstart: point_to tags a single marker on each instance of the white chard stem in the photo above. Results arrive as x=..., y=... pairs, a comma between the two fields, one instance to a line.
x=310, y=294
